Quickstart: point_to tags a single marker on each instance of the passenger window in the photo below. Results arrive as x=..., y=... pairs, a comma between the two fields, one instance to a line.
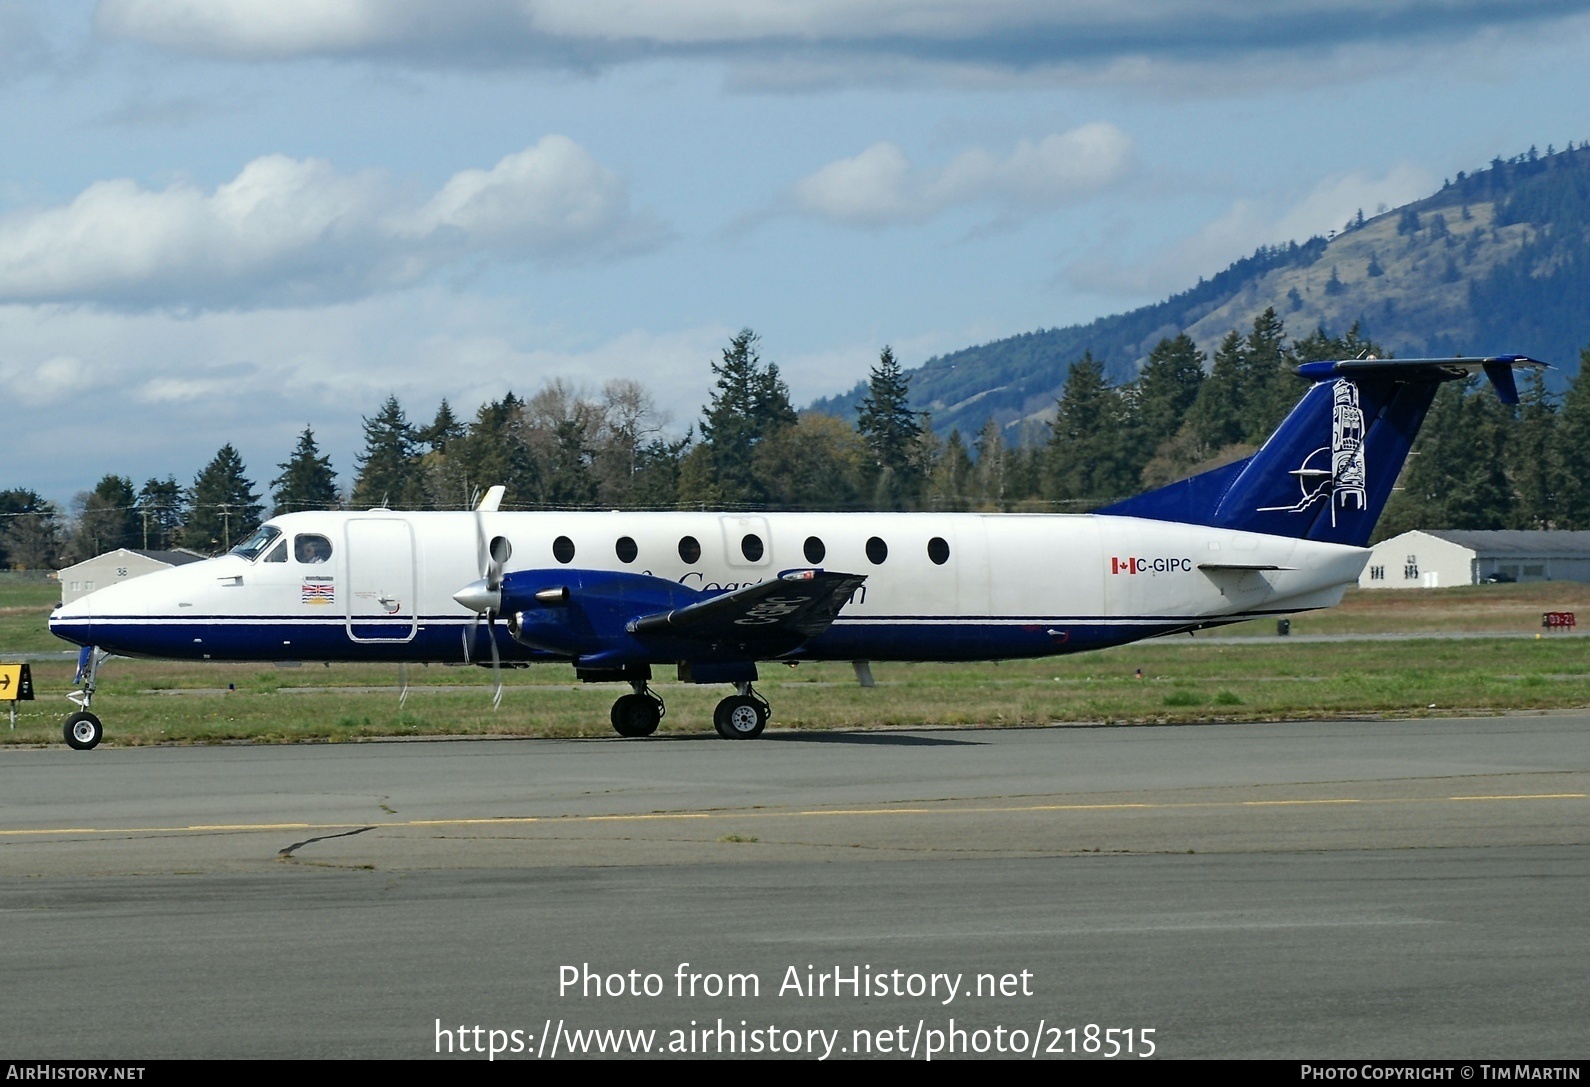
x=308, y=548
x=563, y=550
x=625, y=549
x=278, y=553
x=939, y=550
x=751, y=547
x=689, y=549
x=814, y=550
x=877, y=551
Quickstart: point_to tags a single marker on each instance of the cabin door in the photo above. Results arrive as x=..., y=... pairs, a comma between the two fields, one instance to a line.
x=380, y=580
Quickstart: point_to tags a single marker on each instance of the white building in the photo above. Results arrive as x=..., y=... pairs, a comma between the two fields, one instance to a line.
x=1438, y=557
x=118, y=565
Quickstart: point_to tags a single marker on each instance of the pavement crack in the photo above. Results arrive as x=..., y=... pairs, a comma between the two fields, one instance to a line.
x=287, y=854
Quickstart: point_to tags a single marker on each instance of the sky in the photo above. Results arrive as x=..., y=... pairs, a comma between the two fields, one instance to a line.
x=227, y=220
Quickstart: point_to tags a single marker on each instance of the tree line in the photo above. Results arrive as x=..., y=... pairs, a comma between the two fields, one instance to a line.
x=1477, y=464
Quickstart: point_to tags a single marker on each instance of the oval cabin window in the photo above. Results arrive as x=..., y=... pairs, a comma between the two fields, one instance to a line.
x=689, y=549
x=814, y=550
x=877, y=551
x=751, y=547
x=563, y=549
x=939, y=550
x=625, y=549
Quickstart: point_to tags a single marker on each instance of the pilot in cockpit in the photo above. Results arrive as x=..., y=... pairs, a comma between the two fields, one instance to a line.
x=312, y=549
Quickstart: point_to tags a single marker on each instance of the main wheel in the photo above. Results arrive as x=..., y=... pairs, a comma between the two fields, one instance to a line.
x=636, y=715
x=740, y=717
x=83, y=731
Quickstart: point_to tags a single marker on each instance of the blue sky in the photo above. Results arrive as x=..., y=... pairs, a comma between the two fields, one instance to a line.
x=222, y=220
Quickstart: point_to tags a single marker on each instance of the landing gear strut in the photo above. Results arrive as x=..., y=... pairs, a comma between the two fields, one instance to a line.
x=638, y=714
x=82, y=729
x=742, y=716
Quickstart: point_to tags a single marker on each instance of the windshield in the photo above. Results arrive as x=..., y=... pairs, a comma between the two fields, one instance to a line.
x=251, y=548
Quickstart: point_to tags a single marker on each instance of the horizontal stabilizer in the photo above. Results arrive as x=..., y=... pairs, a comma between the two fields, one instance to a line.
x=1498, y=368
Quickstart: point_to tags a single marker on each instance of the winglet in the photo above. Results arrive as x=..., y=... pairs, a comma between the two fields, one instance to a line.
x=492, y=500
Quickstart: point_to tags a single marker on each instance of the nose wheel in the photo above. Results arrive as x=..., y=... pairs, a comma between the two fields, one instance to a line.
x=83, y=731
x=742, y=716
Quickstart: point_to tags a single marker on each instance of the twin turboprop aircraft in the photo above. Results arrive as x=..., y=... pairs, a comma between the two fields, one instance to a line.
x=715, y=594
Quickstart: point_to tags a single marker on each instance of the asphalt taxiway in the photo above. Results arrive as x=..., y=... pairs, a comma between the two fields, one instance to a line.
x=1307, y=889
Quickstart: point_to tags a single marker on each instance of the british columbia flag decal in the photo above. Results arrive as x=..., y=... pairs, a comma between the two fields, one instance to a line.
x=319, y=590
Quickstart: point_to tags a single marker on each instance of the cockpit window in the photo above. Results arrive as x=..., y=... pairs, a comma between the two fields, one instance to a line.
x=278, y=553
x=256, y=544
x=311, y=548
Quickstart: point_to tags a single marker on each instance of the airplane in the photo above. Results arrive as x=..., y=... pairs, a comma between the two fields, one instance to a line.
x=713, y=594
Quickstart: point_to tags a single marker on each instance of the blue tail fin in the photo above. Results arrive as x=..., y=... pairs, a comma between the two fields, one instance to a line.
x=1327, y=471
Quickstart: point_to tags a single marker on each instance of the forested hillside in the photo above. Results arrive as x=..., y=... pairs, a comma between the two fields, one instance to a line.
x=1497, y=260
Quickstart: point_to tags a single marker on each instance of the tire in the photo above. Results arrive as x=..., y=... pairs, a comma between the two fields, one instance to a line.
x=739, y=717
x=83, y=731
x=636, y=715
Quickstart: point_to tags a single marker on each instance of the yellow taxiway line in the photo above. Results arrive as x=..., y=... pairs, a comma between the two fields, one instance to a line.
x=729, y=813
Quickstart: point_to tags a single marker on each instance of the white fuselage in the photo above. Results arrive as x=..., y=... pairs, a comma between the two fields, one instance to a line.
x=994, y=586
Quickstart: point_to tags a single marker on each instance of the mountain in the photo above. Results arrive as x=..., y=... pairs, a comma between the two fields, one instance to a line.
x=1497, y=260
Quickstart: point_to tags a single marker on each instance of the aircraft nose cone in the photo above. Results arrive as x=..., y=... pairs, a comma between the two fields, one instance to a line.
x=478, y=596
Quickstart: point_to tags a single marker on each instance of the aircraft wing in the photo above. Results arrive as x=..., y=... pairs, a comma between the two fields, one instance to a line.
x=795, y=606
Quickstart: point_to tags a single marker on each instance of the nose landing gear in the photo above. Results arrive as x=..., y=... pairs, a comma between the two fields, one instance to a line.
x=82, y=729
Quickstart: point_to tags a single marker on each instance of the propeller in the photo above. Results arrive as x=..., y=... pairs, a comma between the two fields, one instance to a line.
x=484, y=597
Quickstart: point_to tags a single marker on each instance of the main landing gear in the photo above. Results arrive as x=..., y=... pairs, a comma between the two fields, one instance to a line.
x=638, y=714
x=82, y=729
x=742, y=716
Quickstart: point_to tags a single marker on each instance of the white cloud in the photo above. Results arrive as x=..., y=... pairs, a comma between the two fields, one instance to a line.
x=1246, y=225
x=296, y=230
x=880, y=186
x=834, y=40
x=147, y=394
x=871, y=189
x=553, y=199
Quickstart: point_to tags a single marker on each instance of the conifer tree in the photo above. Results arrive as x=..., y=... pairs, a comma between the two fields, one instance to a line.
x=951, y=482
x=1534, y=461
x=389, y=472
x=1455, y=477
x=443, y=429
x=1270, y=384
x=1573, y=444
x=307, y=481
x=160, y=504
x=108, y=519
x=1216, y=416
x=1161, y=397
x=750, y=404
x=30, y=530
x=222, y=505
x=1084, y=456
x=893, y=433
x=989, y=479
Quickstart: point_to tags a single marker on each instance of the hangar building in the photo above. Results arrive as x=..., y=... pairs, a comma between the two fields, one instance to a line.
x=1433, y=558
x=119, y=565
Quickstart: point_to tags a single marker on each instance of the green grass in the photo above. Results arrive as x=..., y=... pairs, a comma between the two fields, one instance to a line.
x=1184, y=680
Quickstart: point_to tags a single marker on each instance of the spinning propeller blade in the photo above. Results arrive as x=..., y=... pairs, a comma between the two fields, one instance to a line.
x=484, y=597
